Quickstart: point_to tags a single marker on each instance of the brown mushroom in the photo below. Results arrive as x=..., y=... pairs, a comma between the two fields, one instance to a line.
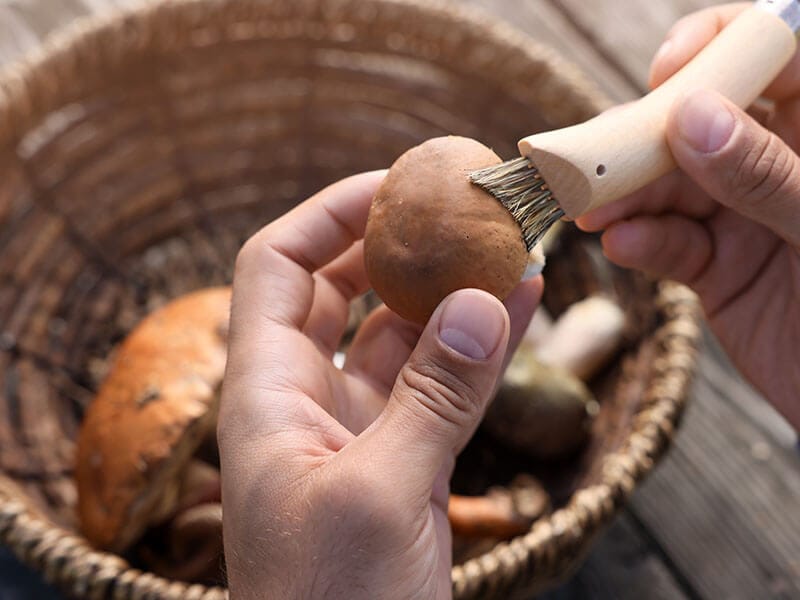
x=491, y=515
x=200, y=525
x=151, y=413
x=199, y=484
x=480, y=523
x=541, y=411
x=431, y=232
x=189, y=547
x=196, y=551
x=502, y=513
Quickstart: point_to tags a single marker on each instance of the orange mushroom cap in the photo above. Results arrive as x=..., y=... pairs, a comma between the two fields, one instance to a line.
x=150, y=414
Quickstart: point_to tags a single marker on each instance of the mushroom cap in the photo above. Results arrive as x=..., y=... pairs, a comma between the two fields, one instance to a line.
x=430, y=231
x=541, y=411
x=150, y=414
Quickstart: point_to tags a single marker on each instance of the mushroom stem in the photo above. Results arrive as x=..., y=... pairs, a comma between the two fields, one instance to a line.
x=539, y=329
x=584, y=338
x=495, y=515
x=195, y=546
x=485, y=516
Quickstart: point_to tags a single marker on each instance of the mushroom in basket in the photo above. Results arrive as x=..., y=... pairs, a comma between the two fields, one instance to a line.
x=153, y=411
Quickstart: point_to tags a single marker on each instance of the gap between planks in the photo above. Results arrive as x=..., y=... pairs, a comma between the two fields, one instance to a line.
x=624, y=564
x=723, y=504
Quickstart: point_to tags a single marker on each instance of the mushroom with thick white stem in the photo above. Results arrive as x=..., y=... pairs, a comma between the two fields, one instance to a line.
x=541, y=411
x=150, y=415
x=584, y=338
x=543, y=407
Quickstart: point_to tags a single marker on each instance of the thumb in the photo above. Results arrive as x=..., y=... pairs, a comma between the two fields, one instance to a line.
x=737, y=162
x=442, y=391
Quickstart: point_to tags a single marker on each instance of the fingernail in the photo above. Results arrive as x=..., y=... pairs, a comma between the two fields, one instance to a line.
x=704, y=122
x=472, y=324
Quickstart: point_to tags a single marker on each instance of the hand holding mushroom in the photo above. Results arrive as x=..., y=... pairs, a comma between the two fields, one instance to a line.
x=348, y=469
x=359, y=456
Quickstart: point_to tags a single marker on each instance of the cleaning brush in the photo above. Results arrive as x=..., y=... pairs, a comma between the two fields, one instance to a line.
x=570, y=171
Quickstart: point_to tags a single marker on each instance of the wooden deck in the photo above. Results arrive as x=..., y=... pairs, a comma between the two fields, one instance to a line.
x=720, y=516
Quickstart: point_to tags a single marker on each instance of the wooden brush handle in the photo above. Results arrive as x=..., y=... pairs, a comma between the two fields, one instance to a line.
x=608, y=157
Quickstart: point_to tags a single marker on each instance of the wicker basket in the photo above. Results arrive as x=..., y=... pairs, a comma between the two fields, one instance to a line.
x=137, y=154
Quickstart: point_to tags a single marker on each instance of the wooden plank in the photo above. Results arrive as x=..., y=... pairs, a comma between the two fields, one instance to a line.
x=725, y=379
x=724, y=504
x=16, y=37
x=622, y=565
x=627, y=34
x=43, y=16
x=24, y=23
x=545, y=23
x=104, y=5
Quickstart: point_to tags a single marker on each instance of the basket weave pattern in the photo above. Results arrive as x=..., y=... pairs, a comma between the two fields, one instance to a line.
x=138, y=152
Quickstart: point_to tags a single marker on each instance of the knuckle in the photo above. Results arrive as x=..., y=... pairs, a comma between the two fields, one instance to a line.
x=762, y=171
x=254, y=251
x=440, y=391
x=249, y=253
x=258, y=255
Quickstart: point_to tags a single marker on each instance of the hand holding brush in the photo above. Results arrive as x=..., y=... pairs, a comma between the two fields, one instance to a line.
x=728, y=222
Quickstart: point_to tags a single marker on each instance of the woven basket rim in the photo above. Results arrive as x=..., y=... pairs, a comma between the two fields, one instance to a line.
x=33, y=87
x=25, y=97
x=39, y=543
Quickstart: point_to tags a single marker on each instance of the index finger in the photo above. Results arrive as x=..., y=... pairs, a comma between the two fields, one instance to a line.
x=693, y=33
x=672, y=193
x=273, y=280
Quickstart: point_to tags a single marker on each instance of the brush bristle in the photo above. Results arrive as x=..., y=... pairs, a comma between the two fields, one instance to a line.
x=519, y=187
